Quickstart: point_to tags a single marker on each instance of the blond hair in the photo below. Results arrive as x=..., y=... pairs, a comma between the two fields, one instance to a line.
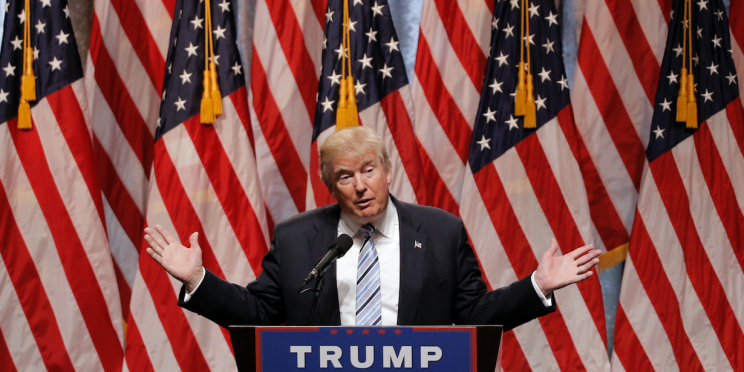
x=352, y=142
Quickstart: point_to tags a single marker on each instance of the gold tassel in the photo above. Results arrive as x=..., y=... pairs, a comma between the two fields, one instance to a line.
x=530, y=114
x=351, y=112
x=28, y=81
x=342, y=114
x=519, y=104
x=207, y=107
x=216, y=95
x=24, y=115
x=692, y=119
x=682, y=97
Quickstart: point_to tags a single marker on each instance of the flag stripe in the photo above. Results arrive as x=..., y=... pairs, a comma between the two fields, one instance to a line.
x=515, y=359
x=439, y=194
x=464, y=44
x=644, y=61
x=32, y=295
x=127, y=115
x=292, y=42
x=136, y=356
x=83, y=281
x=5, y=358
x=277, y=135
x=736, y=115
x=136, y=28
x=720, y=186
x=515, y=244
x=611, y=107
x=699, y=269
x=454, y=124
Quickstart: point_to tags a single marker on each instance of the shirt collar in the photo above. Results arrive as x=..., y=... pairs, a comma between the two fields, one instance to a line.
x=385, y=225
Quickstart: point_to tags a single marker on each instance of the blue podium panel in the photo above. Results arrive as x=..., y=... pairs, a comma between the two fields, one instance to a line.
x=445, y=349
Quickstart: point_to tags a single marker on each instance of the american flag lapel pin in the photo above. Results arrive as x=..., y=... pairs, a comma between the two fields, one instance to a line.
x=417, y=244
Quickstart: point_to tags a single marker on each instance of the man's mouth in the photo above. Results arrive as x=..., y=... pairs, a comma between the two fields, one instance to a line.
x=364, y=203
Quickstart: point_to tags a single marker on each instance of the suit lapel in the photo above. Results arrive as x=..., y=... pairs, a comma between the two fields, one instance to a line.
x=327, y=229
x=412, y=259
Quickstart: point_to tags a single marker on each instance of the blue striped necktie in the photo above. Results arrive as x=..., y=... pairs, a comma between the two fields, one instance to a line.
x=368, y=297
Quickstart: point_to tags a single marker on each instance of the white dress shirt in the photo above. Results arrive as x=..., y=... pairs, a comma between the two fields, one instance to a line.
x=387, y=242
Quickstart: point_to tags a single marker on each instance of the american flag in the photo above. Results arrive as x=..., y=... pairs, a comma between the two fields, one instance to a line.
x=203, y=180
x=381, y=88
x=123, y=78
x=58, y=293
x=681, y=298
x=736, y=23
x=620, y=51
x=524, y=187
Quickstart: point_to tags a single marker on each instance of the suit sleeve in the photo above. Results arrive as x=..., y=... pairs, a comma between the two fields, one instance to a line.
x=260, y=303
x=510, y=306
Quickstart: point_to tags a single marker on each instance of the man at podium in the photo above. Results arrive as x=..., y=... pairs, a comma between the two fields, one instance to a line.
x=408, y=264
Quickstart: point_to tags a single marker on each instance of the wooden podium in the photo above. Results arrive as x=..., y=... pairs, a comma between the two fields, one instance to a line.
x=286, y=349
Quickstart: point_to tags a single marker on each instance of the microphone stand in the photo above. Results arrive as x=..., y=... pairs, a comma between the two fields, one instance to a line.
x=317, y=290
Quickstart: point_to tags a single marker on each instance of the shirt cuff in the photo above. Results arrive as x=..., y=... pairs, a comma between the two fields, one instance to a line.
x=548, y=302
x=187, y=296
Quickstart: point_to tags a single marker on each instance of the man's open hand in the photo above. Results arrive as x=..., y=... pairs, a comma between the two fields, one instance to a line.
x=557, y=272
x=184, y=264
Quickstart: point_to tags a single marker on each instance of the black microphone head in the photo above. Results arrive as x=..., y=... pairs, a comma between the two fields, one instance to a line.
x=343, y=243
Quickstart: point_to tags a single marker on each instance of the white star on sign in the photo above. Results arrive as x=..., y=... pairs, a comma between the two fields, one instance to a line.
x=46, y=3
x=512, y=122
x=22, y=16
x=672, y=77
x=185, y=77
x=386, y=71
x=62, y=37
x=731, y=78
x=56, y=64
x=719, y=13
x=219, y=32
x=502, y=59
x=549, y=46
x=713, y=68
x=180, y=104
x=216, y=59
x=702, y=4
x=393, y=45
x=325, y=42
x=40, y=27
x=659, y=132
x=678, y=50
x=552, y=18
x=36, y=53
x=366, y=61
x=540, y=102
x=514, y=4
x=533, y=10
x=666, y=105
x=225, y=5
x=496, y=86
x=509, y=30
x=352, y=26
x=563, y=82
x=716, y=41
x=334, y=78
x=530, y=39
x=371, y=35
x=358, y=2
x=329, y=16
x=544, y=75
x=3, y=96
x=197, y=22
x=9, y=70
x=359, y=87
x=377, y=9
x=17, y=43
x=484, y=142
x=237, y=69
x=708, y=96
x=494, y=23
x=191, y=49
x=696, y=59
x=490, y=115
x=327, y=105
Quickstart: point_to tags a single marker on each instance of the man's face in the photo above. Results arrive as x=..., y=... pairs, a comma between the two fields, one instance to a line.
x=361, y=186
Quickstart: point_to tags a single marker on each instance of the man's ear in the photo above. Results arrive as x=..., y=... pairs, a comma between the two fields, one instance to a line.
x=389, y=176
x=331, y=190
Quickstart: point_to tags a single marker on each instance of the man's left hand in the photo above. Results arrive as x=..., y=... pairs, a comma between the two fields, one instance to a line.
x=557, y=272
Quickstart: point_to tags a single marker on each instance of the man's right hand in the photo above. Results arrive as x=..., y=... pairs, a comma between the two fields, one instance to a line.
x=184, y=264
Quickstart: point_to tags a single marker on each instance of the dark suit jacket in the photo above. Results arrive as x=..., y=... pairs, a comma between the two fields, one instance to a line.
x=440, y=283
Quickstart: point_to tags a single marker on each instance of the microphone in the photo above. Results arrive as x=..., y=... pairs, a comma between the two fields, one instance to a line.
x=337, y=250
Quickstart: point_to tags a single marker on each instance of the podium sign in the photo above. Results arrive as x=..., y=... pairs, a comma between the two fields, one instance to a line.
x=450, y=349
